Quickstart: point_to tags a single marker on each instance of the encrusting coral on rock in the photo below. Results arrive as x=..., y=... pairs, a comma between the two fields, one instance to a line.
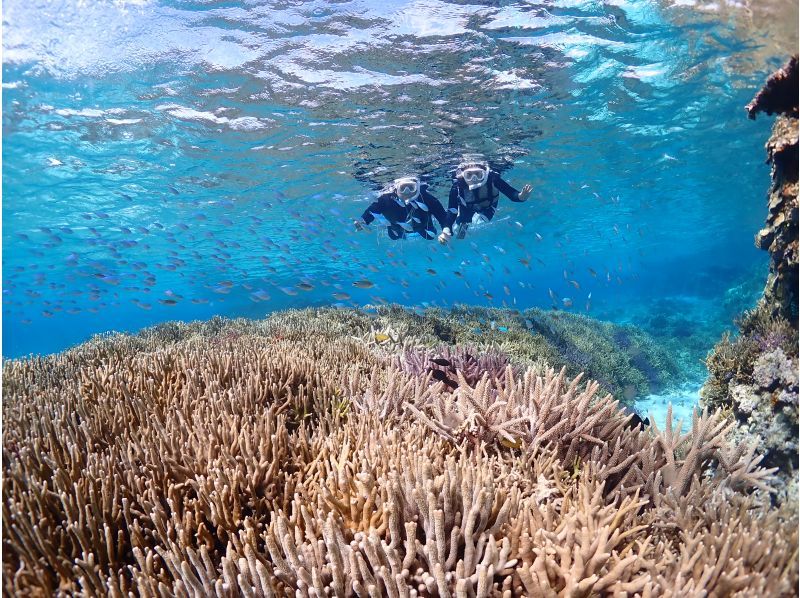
x=236, y=458
x=755, y=376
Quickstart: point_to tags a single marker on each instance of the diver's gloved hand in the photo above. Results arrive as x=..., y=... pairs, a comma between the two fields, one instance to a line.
x=445, y=236
x=358, y=224
x=525, y=193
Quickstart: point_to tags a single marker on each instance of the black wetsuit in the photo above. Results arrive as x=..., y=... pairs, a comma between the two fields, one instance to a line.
x=413, y=217
x=464, y=204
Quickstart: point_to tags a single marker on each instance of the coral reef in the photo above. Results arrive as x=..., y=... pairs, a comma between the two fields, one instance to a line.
x=298, y=456
x=755, y=375
x=625, y=360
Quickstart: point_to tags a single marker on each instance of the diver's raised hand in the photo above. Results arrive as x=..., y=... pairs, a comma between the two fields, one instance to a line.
x=525, y=193
x=358, y=224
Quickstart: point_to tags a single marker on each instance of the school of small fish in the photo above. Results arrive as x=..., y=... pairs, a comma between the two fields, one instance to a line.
x=218, y=252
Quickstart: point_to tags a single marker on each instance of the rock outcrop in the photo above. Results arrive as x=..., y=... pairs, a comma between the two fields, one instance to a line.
x=755, y=375
x=779, y=236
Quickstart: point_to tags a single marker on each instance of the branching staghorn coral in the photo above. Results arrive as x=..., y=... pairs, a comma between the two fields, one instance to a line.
x=439, y=529
x=588, y=551
x=721, y=544
x=229, y=459
x=528, y=410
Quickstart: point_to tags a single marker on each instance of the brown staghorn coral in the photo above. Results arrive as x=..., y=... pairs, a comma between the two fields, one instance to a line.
x=236, y=458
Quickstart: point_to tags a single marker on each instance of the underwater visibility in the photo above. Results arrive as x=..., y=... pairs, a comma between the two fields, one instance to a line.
x=403, y=298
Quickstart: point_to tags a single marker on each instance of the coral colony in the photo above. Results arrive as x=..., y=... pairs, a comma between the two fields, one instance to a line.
x=288, y=456
x=337, y=452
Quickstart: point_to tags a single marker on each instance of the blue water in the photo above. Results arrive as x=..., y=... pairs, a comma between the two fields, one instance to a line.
x=177, y=160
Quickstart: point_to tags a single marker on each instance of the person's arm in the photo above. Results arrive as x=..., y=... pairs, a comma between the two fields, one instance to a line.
x=368, y=216
x=452, y=206
x=449, y=215
x=505, y=188
x=436, y=209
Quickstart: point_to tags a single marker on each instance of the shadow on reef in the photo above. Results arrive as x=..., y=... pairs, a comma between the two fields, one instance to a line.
x=315, y=453
x=755, y=375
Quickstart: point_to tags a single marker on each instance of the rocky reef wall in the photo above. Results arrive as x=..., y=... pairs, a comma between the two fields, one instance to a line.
x=779, y=236
x=755, y=375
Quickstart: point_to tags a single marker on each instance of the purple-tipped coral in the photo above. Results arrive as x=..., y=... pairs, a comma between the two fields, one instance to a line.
x=445, y=363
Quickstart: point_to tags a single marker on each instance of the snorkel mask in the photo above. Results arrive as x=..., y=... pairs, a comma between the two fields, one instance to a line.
x=407, y=188
x=475, y=174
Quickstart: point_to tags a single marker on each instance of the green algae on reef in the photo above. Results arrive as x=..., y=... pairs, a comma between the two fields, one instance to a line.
x=626, y=361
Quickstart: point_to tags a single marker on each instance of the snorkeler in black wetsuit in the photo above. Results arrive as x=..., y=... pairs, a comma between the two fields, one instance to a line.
x=408, y=207
x=474, y=196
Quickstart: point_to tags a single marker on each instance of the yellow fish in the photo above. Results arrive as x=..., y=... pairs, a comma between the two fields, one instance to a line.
x=512, y=444
x=381, y=338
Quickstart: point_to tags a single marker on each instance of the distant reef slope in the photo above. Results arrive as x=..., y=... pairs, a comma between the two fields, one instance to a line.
x=755, y=375
x=338, y=453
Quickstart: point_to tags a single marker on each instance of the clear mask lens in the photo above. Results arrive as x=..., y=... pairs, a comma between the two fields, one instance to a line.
x=407, y=188
x=474, y=176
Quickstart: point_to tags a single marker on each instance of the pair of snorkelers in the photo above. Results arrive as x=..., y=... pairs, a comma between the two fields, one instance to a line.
x=409, y=208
